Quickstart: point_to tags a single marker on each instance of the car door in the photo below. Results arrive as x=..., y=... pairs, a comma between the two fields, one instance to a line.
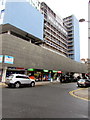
x=20, y=79
x=26, y=80
x=88, y=82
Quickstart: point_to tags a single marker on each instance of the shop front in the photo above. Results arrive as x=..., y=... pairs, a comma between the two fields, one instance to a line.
x=15, y=70
x=39, y=74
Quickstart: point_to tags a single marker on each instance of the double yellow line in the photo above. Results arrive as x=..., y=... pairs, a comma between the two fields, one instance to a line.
x=72, y=93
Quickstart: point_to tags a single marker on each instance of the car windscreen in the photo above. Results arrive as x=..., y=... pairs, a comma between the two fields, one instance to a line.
x=81, y=80
x=11, y=76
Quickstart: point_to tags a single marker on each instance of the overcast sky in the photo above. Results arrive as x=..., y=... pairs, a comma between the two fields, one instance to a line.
x=79, y=8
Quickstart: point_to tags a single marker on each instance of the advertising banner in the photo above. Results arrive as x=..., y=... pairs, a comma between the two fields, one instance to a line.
x=8, y=59
x=1, y=58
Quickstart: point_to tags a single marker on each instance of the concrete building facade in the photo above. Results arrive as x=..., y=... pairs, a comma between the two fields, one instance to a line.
x=61, y=35
x=55, y=33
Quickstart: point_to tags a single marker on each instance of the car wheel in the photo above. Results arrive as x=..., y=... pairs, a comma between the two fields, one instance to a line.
x=78, y=85
x=32, y=84
x=9, y=85
x=17, y=85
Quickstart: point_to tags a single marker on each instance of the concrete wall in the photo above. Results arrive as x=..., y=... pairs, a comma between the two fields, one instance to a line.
x=28, y=55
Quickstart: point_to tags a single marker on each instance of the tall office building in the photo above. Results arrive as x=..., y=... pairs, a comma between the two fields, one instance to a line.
x=35, y=4
x=73, y=38
x=55, y=33
x=61, y=35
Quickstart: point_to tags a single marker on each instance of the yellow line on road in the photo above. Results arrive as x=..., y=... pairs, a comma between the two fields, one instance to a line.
x=72, y=93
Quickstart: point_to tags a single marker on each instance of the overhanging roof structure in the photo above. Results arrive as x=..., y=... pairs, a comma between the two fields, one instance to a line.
x=4, y=28
x=29, y=55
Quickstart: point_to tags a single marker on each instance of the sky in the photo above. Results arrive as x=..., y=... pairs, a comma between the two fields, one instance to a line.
x=79, y=8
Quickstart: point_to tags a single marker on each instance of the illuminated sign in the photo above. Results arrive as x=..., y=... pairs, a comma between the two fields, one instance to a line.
x=30, y=69
x=8, y=59
x=20, y=68
x=45, y=70
x=1, y=58
x=55, y=71
x=59, y=71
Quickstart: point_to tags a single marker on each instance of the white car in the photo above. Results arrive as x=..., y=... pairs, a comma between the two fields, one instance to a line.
x=16, y=80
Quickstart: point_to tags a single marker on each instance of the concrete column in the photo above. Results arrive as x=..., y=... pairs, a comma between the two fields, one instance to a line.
x=4, y=74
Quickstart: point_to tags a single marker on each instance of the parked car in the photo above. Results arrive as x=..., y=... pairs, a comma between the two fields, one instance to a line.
x=65, y=79
x=16, y=80
x=83, y=82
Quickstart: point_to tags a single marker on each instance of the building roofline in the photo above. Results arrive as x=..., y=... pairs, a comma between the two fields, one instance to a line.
x=8, y=27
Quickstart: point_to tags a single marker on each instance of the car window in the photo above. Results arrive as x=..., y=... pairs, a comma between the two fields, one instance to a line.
x=11, y=76
x=81, y=80
x=25, y=77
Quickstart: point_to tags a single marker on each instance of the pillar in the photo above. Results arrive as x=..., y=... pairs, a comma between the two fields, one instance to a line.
x=4, y=74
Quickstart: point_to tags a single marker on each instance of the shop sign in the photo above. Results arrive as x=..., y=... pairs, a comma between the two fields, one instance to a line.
x=20, y=68
x=8, y=59
x=45, y=70
x=55, y=71
x=59, y=71
x=1, y=58
x=30, y=69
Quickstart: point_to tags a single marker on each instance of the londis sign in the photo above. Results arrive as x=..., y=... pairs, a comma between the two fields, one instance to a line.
x=1, y=58
x=8, y=59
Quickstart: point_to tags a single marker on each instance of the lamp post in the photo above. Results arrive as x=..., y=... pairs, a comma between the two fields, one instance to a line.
x=88, y=60
x=83, y=20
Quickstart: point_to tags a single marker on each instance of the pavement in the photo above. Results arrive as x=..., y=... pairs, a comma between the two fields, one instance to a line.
x=81, y=93
x=37, y=83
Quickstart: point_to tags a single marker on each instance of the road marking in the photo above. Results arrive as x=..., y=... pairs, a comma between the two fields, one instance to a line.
x=72, y=93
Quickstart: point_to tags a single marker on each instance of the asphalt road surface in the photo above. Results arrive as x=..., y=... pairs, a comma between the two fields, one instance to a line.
x=48, y=101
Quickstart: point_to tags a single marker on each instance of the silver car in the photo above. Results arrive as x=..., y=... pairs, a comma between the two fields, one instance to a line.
x=16, y=80
x=83, y=82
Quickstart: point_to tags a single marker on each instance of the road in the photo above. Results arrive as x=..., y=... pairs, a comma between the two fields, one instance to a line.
x=48, y=101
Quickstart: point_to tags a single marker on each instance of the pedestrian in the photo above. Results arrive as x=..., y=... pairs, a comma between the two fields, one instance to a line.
x=60, y=78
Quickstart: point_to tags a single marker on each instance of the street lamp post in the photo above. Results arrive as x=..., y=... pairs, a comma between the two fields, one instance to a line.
x=88, y=63
x=83, y=20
